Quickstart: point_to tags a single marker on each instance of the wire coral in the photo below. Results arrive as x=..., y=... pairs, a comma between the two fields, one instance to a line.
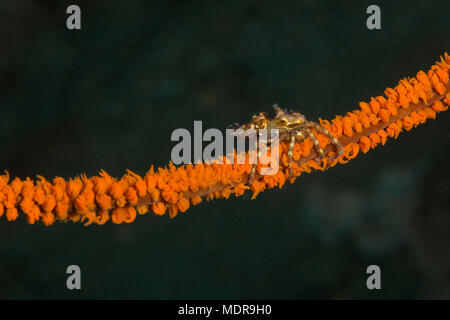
x=174, y=189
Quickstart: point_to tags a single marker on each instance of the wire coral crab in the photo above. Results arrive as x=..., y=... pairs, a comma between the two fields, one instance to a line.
x=293, y=127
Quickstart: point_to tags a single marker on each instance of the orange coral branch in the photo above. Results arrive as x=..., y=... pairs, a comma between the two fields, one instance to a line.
x=91, y=200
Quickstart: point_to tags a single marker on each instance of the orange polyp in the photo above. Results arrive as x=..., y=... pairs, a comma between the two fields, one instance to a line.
x=102, y=217
x=116, y=190
x=48, y=218
x=90, y=216
x=129, y=214
x=141, y=188
x=383, y=136
x=104, y=201
x=131, y=196
x=121, y=202
x=159, y=208
x=365, y=144
x=173, y=211
x=118, y=215
x=195, y=200
x=11, y=214
x=142, y=209
x=183, y=204
x=62, y=210
x=49, y=203
x=74, y=187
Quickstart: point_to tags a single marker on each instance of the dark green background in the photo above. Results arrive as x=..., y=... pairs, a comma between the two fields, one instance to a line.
x=109, y=96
